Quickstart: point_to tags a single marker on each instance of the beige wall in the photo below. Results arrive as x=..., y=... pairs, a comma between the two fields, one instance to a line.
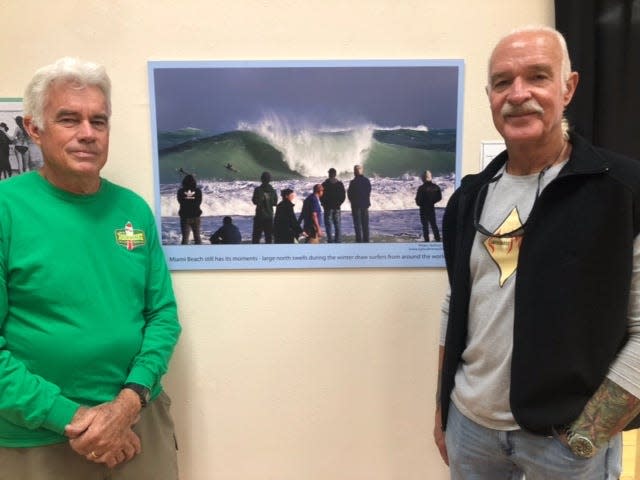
x=283, y=375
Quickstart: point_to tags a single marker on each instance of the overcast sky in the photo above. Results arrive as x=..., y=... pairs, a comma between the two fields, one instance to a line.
x=217, y=99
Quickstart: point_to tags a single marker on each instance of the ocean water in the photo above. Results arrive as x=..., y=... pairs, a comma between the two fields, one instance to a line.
x=394, y=216
x=294, y=152
x=298, y=157
x=234, y=198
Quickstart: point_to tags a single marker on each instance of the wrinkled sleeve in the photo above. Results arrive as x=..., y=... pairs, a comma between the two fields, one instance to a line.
x=625, y=370
x=26, y=399
x=162, y=328
x=444, y=317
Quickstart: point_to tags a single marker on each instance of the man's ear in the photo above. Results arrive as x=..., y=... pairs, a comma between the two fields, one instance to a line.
x=32, y=129
x=570, y=87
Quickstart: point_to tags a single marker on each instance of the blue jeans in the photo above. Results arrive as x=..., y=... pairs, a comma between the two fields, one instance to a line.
x=479, y=453
x=361, y=224
x=331, y=220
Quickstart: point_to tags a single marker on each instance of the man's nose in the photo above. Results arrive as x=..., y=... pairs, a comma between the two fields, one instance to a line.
x=86, y=130
x=519, y=91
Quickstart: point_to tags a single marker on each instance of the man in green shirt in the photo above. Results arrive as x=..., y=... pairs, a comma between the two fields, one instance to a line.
x=88, y=319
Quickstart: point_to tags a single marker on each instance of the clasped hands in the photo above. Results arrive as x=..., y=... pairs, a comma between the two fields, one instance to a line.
x=103, y=434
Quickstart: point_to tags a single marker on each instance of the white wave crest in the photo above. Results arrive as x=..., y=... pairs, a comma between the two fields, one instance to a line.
x=310, y=150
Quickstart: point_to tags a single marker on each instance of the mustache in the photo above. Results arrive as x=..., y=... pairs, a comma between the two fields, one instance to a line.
x=530, y=106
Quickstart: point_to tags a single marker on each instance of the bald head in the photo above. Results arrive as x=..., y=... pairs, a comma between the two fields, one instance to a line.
x=542, y=33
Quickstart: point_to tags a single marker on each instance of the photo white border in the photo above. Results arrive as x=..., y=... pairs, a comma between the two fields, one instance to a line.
x=279, y=256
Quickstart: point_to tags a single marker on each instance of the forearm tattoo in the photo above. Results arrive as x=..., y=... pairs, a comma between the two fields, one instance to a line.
x=609, y=410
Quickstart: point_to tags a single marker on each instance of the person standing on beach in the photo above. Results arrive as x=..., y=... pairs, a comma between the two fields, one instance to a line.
x=265, y=199
x=359, y=193
x=333, y=198
x=5, y=142
x=311, y=214
x=285, y=224
x=22, y=140
x=427, y=196
x=190, y=199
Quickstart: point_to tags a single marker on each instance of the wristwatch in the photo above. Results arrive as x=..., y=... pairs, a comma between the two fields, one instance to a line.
x=580, y=445
x=143, y=392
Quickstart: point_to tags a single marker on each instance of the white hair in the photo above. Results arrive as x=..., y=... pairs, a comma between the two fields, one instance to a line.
x=67, y=69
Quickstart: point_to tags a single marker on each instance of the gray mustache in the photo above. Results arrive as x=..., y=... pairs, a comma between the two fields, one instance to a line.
x=530, y=106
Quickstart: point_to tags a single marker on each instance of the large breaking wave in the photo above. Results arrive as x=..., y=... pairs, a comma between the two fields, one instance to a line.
x=311, y=151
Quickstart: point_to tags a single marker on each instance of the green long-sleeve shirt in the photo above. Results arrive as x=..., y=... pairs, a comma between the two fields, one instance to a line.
x=86, y=304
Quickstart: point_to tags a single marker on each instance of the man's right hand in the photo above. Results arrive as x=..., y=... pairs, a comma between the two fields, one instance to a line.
x=438, y=435
x=103, y=434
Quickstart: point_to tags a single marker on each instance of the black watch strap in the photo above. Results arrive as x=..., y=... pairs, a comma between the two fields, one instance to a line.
x=143, y=392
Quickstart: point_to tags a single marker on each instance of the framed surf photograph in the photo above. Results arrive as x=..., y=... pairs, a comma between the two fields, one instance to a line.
x=304, y=164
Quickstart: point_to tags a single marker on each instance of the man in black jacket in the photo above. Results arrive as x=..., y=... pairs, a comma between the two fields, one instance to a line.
x=333, y=198
x=265, y=199
x=359, y=194
x=427, y=196
x=539, y=358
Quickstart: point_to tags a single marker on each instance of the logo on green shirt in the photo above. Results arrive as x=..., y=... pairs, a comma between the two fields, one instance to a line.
x=129, y=237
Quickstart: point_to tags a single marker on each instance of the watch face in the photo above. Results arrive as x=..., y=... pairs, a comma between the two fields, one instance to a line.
x=582, y=446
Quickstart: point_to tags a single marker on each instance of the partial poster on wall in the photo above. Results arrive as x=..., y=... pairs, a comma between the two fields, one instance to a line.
x=18, y=154
x=221, y=129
